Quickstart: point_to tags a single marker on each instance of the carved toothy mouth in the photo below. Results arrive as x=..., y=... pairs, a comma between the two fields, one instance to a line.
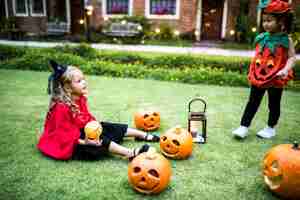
x=150, y=127
x=169, y=152
x=145, y=189
x=273, y=182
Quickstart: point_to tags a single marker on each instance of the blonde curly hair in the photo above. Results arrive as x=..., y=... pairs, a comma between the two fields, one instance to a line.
x=61, y=93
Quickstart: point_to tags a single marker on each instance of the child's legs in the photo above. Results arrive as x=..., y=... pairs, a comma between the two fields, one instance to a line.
x=274, y=95
x=255, y=97
x=118, y=149
x=141, y=135
x=131, y=132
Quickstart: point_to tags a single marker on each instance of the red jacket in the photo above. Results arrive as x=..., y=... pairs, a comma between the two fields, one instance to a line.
x=62, y=129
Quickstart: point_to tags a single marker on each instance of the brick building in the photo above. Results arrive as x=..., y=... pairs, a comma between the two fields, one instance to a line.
x=44, y=16
x=207, y=19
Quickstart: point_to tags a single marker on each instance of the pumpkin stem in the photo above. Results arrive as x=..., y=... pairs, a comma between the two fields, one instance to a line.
x=296, y=145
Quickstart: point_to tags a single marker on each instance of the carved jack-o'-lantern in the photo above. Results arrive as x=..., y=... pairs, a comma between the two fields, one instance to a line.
x=281, y=170
x=149, y=172
x=93, y=130
x=176, y=143
x=265, y=65
x=147, y=120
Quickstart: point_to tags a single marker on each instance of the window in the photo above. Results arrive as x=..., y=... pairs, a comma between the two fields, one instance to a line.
x=38, y=7
x=20, y=7
x=162, y=9
x=117, y=7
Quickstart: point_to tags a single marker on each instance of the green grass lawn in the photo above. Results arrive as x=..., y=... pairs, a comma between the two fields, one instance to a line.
x=224, y=168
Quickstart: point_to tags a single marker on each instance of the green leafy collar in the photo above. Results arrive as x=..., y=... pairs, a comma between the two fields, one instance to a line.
x=271, y=41
x=263, y=4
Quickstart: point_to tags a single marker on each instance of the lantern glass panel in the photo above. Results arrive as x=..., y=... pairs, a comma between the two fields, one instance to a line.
x=196, y=128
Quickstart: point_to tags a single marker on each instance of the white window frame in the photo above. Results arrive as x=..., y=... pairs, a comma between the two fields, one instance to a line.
x=20, y=14
x=104, y=11
x=224, y=19
x=6, y=9
x=38, y=14
x=150, y=16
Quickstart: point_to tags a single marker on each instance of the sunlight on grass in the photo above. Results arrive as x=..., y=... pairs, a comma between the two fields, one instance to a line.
x=224, y=168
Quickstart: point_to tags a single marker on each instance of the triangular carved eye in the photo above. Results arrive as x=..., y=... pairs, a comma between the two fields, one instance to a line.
x=154, y=173
x=176, y=142
x=270, y=64
x=137, y=170
x=146, y=115
x=257, y=62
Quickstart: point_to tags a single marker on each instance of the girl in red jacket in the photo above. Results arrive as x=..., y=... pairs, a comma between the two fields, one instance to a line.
x=63, y=135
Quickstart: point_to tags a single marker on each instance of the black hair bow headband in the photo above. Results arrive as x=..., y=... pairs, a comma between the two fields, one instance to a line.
x=58, y=71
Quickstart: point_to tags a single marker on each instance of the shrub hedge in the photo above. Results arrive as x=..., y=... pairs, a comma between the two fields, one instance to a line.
x=182, y=68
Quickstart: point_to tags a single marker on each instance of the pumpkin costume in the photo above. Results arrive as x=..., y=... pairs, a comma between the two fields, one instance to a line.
x=271, y=53
x=271, y=67
x=271, y=56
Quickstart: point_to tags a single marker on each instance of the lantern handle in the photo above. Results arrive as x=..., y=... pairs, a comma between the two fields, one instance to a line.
x=197, y=99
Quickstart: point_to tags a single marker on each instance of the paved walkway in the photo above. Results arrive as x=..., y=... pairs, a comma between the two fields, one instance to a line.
x=143, y=48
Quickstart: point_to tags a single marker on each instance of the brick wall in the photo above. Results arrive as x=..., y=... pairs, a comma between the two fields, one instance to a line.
x=233, y=12
x=187, y=17
x=295, y=3
x=253, y=9
x=139, y=7
x=35, y=25
x=97, y=18
x=188, y=12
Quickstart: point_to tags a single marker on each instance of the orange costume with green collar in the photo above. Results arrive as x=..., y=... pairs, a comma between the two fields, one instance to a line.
x=271, y=56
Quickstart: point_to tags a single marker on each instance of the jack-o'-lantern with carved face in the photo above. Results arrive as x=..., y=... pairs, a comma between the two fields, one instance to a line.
x=176, y=143
x=281, y=170
x=147, y=120
x=149, y=173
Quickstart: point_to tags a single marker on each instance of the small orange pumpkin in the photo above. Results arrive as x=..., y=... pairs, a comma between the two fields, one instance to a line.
x=149, y=173
x=93, y=130
x=176, y=143
x=147, y=120
x=281, y=170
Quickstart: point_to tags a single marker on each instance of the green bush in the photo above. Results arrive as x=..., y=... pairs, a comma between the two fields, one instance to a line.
x=9, y=52
x=83, y=50
x=38, y=59
x=184, y=68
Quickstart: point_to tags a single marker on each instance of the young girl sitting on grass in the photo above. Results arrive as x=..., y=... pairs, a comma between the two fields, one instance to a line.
x=63, y=134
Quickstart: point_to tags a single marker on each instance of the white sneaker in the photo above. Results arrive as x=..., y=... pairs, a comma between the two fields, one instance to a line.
x=241, y=132
x=267, y=133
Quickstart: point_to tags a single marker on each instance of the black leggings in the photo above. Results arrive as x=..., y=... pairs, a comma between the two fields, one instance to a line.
x=256, y=95
x=111, y=132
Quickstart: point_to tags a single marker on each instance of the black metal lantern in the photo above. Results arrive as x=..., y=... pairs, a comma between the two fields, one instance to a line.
x=197, y=122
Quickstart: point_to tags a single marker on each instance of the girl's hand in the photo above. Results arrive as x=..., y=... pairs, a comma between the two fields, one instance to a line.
x=93, y=142
x=282, y=73
x=90, y=142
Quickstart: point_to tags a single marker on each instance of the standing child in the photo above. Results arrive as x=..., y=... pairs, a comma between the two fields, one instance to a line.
x=271, y=68
x=63, y=135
